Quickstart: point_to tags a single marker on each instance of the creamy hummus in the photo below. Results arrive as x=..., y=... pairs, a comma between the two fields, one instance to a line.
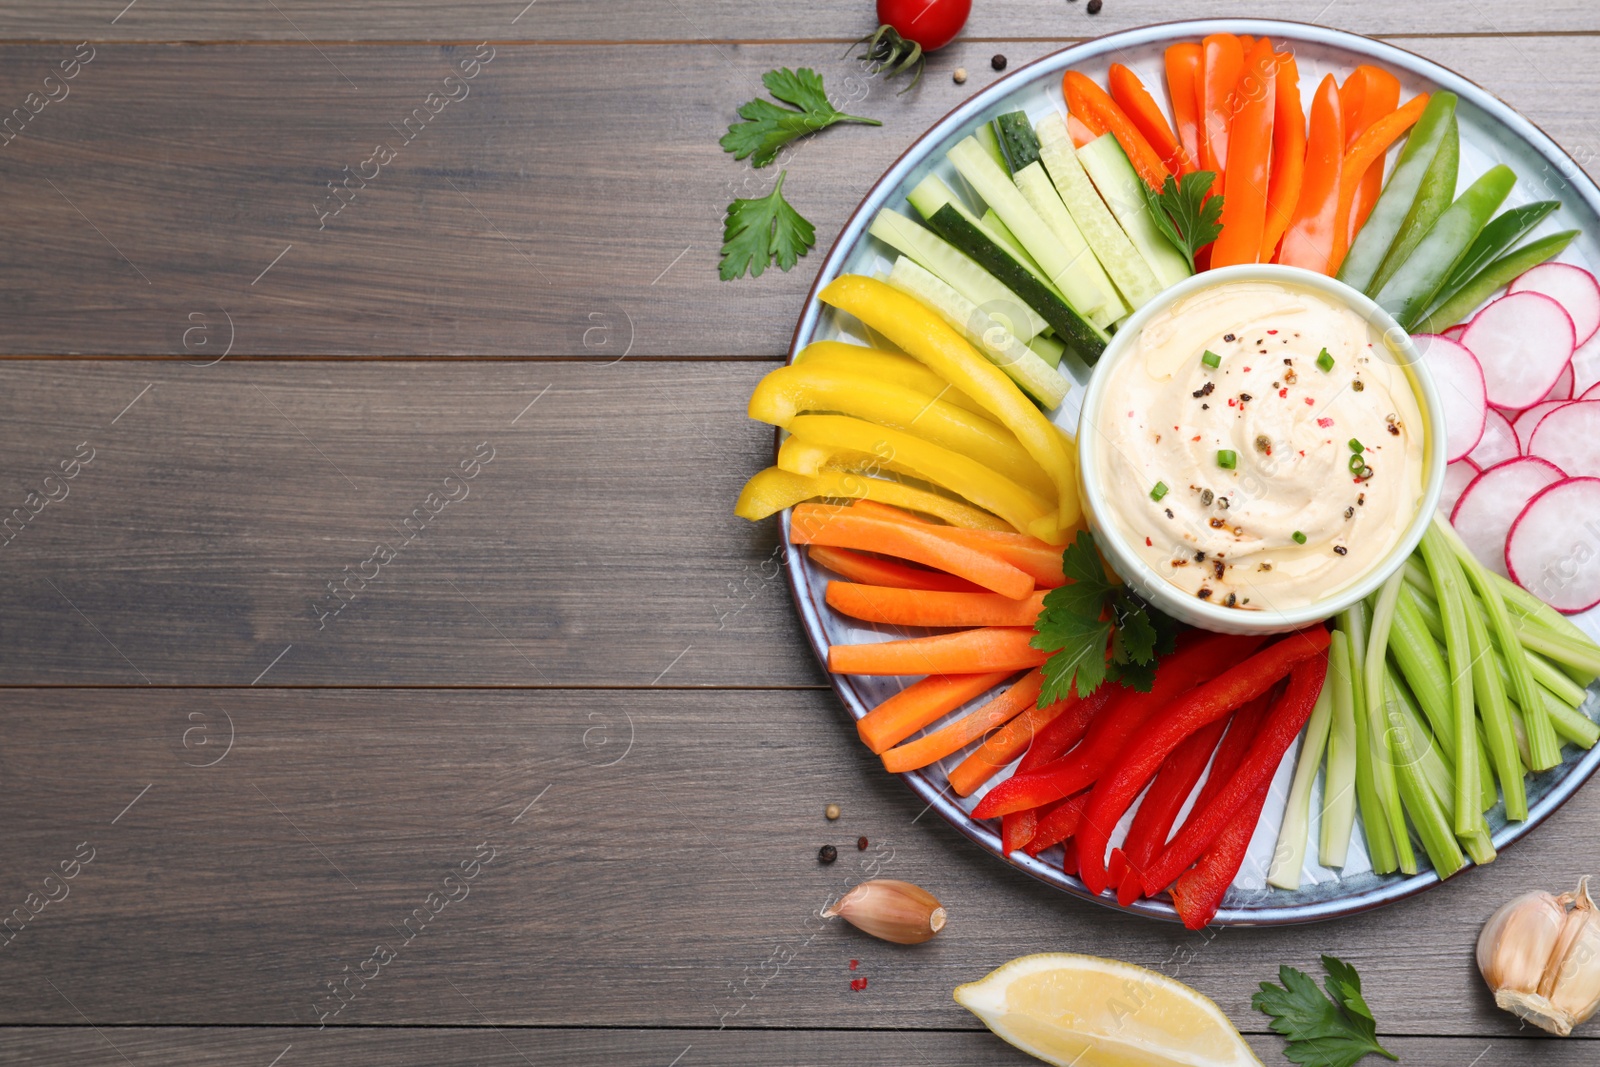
x=1261, y=447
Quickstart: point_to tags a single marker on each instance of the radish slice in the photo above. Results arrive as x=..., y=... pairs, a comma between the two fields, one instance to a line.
x=1528, y=421
x=1586, y=367
x=1554, y=542
x=1572, y=287
x=1499, y=441
x=1486, y=510
x=1454, y=332
x=1562, y=390
x=1459, y=380
x=1569, y=437
x=1593, y=393
x=1457, y=476
x=1522, y=341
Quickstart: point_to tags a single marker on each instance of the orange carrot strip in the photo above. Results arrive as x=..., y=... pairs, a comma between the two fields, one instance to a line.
x=916, y=607
x=1288, y=155
x=1368, y=150
x=967, y=729
x=919, y=704
x=1244, y=209
x=872, y=570
x=1003, y=746
x=991, y=648
x=812, y=524
x=1146, y=115
x=1309, y=240
x=1039, y=560
x=1091, y=103
x=1221, y=64
x=1183, y=86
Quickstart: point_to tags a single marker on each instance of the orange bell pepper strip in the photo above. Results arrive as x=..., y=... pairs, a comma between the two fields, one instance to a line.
x=1373, y=93
x=1094, y=105
x=1183, y=86
x=1079, y=131
x=1143, y=111
x=1222, y=62
x=1244, y=209
x=1365, y=155
x=1288, y=155
x=1309, y=240
x=1246, y=42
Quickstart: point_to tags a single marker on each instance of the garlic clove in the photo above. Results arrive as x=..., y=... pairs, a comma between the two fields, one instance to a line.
x=1574, y=982
x=890, y=910
x=1516, y=944
x=1540, y=954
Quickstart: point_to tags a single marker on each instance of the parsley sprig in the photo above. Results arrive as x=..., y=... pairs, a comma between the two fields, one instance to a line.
x=1184, y=214
x=768, y=127
x=758, y=231
x=1080, y=618
x=1335, y=1030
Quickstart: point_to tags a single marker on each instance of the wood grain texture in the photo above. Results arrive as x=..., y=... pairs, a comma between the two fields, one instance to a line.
x=598, y=546
x=664, y=874
x=570, y=205
x=655, y=20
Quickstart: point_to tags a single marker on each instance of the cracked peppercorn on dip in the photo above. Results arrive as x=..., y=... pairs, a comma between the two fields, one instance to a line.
x=1261, y=447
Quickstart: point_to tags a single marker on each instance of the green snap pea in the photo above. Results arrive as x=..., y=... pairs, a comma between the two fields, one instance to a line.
x=1497, y=238
x=1410, y=290
x=1500, y=272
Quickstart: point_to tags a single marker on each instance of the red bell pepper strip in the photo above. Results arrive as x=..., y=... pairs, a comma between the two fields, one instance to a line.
x=1222, y=61
x=1283, y=724
x=1203, y=657
x=1017, y=829
x=1198, y=892
x=1288, y=155
x=1120, y=785
x=1069, y=855
x=1057, y=823
x=1004, y=745
x=1183, y=86
x=1146, y=115
x=1098, y=111
x=1309, y=240
x=1244, y=209
x=1152, y=822
x=1053, y=742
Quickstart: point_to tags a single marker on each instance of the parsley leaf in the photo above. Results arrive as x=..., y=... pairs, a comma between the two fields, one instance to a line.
x=1078, y=645
x=1183, y=214
x=768, y=127
x=1320, y=1031
x=758, y=231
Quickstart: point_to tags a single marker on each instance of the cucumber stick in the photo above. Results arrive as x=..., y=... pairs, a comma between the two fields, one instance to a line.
x=990, y=139
x=1048, y=349
x=931, y=194
x=1128, y=269
x=1118, y=184
x=997, y=229
x=1093, y=298
x=957, y=271
x=1034, y=185
x=1017, y=140
x=987, y=334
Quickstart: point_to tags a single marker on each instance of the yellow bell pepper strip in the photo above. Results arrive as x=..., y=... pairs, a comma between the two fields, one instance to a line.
x=960, y=474
x=883, y=366
x=772, y=490
x=927, y=338
x=791, y=391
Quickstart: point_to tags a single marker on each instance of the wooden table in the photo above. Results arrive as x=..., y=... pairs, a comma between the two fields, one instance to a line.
x=405, y=671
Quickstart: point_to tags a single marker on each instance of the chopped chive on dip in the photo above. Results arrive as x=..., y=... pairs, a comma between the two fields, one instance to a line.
x=1227, y=459
x=1324, y=361
x=1159, y=491
x=1211, y=359
x=1356, y=446
x=1299, y=538
x=1357, y=464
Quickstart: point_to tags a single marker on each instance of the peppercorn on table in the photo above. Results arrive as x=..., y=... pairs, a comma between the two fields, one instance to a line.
x=387, y=676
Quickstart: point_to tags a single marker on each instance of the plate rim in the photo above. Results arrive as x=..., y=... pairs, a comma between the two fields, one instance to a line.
x=976, y=831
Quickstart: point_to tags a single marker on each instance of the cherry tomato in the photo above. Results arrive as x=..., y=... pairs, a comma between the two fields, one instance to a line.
x=930, y=23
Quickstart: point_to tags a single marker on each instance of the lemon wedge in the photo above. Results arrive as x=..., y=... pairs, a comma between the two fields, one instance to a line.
x=1084, y=1011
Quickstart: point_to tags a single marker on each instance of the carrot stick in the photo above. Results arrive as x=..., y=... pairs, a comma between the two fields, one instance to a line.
x=1244, y=209
x=1183, y=86
x=1092, y=104
x=872, y=570
x=1222, y=61
x=1288, y=155
x=958, y=735
x=990, y=648
x=835, y=528
x=920, y=704
x=916, y=607
x=1309, y=240
x=1368, y=150
x=1040, y=560
x=1003, y=746
x=1379, y=96
x=1145, y=114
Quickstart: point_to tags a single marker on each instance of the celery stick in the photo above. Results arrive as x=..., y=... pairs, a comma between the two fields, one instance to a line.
x=1436, y=771
x=1290, y=855
x=1520, y=729
x=1339, y=784
x=1492, y=706
x=1581, y=660
x=1488, y=795
x=1449, y=587
x=1529, y=609
x=1379, y=735
x=1571, y=724
x=1418, y=578
x=1426, y=812
x=1552, y=678
x=1422, y=665
x=1375, y=824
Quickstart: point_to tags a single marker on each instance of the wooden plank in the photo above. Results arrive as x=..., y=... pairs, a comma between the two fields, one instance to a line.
x=484, y=1046
x=529, y=219
x=597, y=546
x=295, y=20
x=654, y=864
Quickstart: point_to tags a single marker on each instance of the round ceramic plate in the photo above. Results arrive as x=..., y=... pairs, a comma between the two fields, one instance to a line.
x=1491, y=133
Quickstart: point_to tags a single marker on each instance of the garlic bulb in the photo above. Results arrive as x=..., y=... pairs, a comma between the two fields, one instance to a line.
x=1540, y=954
x=891, y=910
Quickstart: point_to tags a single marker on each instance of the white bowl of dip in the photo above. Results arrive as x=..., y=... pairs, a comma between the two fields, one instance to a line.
x=1225, y=367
